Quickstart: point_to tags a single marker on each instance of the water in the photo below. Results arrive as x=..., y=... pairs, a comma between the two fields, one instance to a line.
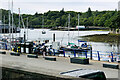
x=62, y=37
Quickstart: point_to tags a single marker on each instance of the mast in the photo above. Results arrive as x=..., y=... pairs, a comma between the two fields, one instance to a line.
x=68, y=26
x=27, y=28
x=78, y=19
x=19, y=22
x=78, y=25
x=9, y=21
x=12, y=20
x=24, y=29
x=4, y=23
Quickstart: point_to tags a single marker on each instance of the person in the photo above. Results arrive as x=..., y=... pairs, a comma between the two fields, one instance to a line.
x=84, y=45
x=44, y=51
x=109, y=58
x=47, y=50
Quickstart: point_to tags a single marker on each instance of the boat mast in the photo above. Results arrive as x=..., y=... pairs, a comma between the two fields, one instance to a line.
x=27, y=28
x=19, y=22
x=68, y=27
x=4, y=23
x=24, y=30
x=12, y=20
x=78, y=25
x=9, y=21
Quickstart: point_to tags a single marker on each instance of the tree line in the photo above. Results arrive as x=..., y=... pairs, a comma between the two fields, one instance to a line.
x=50, y=19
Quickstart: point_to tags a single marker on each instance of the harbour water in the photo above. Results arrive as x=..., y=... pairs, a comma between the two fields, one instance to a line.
x=62, y=37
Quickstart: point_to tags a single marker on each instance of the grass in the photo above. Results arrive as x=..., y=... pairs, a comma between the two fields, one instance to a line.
x=107, y=38
x=80, y=57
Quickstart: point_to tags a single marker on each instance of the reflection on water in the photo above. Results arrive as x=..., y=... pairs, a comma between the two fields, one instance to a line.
x=62, y=36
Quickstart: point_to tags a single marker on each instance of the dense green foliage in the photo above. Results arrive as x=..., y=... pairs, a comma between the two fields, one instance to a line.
x=60, y=18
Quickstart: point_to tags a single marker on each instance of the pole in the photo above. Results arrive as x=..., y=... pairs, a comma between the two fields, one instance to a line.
x=78, y=27
x=27, y=28
x=4, y=23
x=74, y=53
x=12, y=21
x=112, y=57
x=68, y=27
x=19, y=22
x=64, y=52
x=54, y=37
x=86, y=53
x=98, y=55
x=91, y=53
x=9, y=23
x=54, y=51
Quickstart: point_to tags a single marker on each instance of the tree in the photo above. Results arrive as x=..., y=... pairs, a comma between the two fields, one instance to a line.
x=89, y=12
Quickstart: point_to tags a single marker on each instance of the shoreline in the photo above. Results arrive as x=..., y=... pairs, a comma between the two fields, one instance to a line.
x=107, y=38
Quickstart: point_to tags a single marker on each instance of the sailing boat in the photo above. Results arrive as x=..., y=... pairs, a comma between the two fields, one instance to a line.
x=72, y=46
x=43, y=32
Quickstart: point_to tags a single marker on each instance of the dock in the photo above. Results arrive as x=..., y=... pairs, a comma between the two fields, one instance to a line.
x=53, y=68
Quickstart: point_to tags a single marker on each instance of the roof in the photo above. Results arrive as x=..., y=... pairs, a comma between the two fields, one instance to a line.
x=80, y=72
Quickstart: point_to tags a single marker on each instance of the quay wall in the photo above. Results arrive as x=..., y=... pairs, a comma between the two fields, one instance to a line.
x=15, y=74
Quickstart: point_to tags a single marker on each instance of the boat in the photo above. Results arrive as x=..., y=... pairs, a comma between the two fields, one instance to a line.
x=18, y=30
x=73, y=46
x=43, y=32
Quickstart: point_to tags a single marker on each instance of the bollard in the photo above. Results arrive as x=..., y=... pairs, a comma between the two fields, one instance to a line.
x=54, y=51
x=63, y=52
x=112, y=57
x=98, y=55
x=86, y=54
x=54, y=37
x=74, y=53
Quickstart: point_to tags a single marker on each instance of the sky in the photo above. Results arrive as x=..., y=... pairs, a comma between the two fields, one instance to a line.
x=42, y=6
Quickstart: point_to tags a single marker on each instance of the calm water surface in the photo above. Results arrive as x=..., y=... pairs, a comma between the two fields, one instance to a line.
x=62, y=37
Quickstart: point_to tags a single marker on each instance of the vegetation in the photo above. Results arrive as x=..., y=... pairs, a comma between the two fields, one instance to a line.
x=80, y=57
x=108, y=38
x=60, y=18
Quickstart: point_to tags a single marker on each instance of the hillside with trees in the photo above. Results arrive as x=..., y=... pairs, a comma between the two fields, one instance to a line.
x=60, y=18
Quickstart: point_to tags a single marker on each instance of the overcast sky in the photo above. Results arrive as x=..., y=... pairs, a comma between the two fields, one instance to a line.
x=41, y=6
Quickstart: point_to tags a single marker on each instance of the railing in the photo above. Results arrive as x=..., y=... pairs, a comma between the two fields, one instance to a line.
x=92, y=54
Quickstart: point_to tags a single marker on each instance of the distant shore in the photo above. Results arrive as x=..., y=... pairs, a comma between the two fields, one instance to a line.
x=74, y=29
x=107, y=38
